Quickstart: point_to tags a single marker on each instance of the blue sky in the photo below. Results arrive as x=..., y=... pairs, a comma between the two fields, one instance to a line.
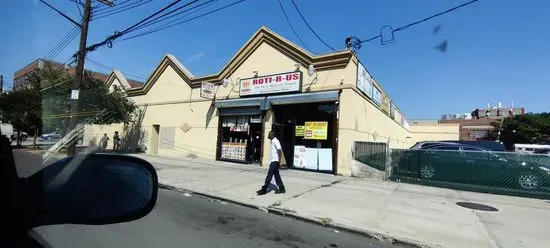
x=498, y=49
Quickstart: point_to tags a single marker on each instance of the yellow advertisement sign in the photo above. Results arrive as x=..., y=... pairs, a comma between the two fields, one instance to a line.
x=300, y=131
x=316, y=130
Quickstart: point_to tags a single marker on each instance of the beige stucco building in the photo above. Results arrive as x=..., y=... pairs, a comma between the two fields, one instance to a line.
x=319, y=105
x=433, y=130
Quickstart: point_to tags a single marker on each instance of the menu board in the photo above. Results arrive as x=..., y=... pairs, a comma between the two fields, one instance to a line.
x=236, y=151
x=316, y=130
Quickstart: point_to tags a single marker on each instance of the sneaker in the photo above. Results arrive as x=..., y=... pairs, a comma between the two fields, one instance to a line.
x=261, y=192
x=280, y=191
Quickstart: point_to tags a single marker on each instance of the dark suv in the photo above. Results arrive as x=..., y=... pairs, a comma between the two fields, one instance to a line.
x=485, y=144
x=454, y=162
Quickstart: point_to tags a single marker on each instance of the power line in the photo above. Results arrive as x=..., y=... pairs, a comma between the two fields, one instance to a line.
x=291, y=27
x=158, y=19
x=359, y=42
x=112, y=69
x=60, y=43
x=106, y=11
x=184, y=21
x=117, y=34
x=121, y=9
x=61, y=13
x=310, y=28
x=151, y=16
x=76, y=2
x=105, y=7
x=68, y=62
x=69, y=37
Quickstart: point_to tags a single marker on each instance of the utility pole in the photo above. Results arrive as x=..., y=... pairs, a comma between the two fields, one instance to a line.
x=1, y=83
x=79, y=73
x=80, y=56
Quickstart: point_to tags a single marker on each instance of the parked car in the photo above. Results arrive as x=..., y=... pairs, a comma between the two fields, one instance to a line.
x=485, y=144
x=453, y=162
x=51, y=136
x=24, y=135
x=542, y=152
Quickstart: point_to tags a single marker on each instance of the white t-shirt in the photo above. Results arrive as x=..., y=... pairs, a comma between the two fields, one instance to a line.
x=275, y=146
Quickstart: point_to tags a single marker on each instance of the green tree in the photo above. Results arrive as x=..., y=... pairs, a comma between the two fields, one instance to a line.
x=532, y=128
x=47, y=103
x=22, y=109
x=94, y=98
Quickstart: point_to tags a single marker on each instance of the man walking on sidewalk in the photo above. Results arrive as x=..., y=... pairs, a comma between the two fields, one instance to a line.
x=275, y=160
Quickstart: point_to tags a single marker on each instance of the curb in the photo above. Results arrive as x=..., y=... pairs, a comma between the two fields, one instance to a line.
x=404, y=242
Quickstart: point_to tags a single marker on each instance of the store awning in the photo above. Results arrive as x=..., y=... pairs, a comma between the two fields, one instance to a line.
x=241, y=102
x=325, y=96
x=240, y=111
x=264, y=103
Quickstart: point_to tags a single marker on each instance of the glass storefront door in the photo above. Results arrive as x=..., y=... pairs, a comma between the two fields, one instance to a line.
x=306, y=132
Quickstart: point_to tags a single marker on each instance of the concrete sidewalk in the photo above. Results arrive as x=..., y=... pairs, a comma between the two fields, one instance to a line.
x=414, y=214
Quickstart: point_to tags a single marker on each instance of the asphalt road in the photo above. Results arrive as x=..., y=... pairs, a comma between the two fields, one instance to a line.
x=193, y=221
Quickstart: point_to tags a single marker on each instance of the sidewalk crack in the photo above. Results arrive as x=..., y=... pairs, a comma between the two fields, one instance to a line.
x=278, y=203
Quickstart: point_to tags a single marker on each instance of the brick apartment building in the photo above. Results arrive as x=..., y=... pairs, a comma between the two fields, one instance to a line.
x=477, y=125
x=20, y=76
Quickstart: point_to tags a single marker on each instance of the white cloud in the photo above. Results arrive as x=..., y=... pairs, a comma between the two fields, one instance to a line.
x=192, y=58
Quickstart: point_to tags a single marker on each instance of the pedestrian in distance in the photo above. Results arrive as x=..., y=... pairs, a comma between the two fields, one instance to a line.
x=275, y=160
x=104, y=140
x=116, y=142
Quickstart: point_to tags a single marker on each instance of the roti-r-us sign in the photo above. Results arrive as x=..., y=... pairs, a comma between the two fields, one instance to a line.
x=271, y=84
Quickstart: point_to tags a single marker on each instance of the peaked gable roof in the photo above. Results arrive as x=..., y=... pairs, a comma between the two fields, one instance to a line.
x=328, y=61
x=126, y=84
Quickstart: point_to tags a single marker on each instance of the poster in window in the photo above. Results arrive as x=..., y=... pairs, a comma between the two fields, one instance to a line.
x=316, y=130
x=376, y=95
x=231, y=121
x=300, y=131
x=364, y=80
x=299, y=156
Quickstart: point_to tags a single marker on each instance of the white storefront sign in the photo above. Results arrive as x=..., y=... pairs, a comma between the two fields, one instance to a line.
x=376, y=96
x=208, y=90
x=279, y=83
x=364, y=79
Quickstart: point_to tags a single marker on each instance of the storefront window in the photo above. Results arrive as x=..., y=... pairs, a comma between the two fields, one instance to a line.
x=240, y=138
x=306, y=134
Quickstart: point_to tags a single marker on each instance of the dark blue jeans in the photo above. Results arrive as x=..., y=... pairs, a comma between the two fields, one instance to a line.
x=273, y=171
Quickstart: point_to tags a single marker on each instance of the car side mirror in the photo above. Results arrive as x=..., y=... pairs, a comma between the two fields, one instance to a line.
x=95, y=189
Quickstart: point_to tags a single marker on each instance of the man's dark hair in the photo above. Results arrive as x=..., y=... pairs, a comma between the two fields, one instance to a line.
x=273, y=132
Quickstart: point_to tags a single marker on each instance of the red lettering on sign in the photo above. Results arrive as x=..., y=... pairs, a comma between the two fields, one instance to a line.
x=278, y=79
x=288, y=77
x=295, y=76
x=254, y=81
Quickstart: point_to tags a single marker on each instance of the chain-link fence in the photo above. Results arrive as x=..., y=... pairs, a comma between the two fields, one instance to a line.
x=494, y=172
x=373, y=154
